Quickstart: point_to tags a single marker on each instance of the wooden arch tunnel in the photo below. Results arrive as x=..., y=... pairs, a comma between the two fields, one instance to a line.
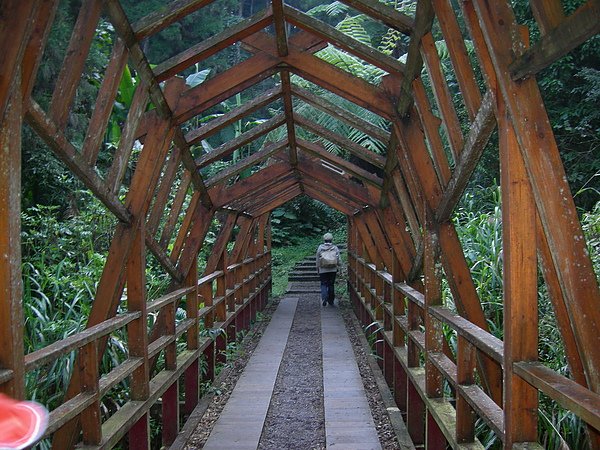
x=402, y=242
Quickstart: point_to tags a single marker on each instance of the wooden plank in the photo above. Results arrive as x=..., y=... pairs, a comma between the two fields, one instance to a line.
x=356, y=149
x=15, y=30
x=380, y=239
x=327, y=199
x=179, y=241
x=431, y=127
x=567, y=393
x=11, y=284
x=214, y=44
x=572, y=32
x=414, y=63
x=442, y=94
x=42, y=24
x=224, y=85
x=383, y=13
x=46, y=355
x=520, y=286
x=465, y=367
x=217, y=124
x=343, y=41
x=163, y=191
x=479, y=134
x=74, y=62
x=87, y=362
x=161, y=256
x=229, y=147
x=458, y=55
x=432, y=271
x=289, y=114
x=249, y=185
x=64, y=150
x=104, y=103
x=280, y=27
x=341, y=185
x=546, y=173
x=322, y=186
x=221, y=242
x=320, y=152
x=281, y=198
x=341, y=114
x=256, y=158
x=548, y=14
x=265, y=194
x=175, y=209
x=165, y=16
x=128, y=136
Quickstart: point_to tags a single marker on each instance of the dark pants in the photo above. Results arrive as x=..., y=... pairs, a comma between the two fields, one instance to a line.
x=327, y=287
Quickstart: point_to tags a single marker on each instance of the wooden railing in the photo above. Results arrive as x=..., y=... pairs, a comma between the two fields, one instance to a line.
x=225, y=300
x=409, y=354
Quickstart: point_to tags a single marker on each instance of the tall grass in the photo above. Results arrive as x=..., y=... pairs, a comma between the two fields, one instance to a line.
x=479, y=225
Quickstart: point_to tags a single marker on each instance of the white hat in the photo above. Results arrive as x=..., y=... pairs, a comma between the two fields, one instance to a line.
x=328, y=237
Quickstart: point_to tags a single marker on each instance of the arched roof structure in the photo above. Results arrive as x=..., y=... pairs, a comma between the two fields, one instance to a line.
x=398, y=205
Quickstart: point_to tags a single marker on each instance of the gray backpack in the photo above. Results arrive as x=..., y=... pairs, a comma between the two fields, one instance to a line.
x=328, y=258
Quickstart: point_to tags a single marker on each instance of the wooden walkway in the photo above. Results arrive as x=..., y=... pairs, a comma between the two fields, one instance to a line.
x=348, y=421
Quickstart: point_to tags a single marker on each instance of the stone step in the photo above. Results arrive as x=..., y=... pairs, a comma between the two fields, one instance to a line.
x=303, y=278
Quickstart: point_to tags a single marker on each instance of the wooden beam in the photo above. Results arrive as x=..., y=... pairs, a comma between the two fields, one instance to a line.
x=358, y=172
x=123, y=28
x=280, y=31
x=520, y=287
x=74, y=62
x=220, y=244
x=64, y=150
x=414, y=63
x=11, y=283
x=14, y=34
x=442, y=94
x=327, y=199
x=228, y=148
x=175, y=208
x=247, y=186
x=128, y=136
x=546, y=173
x=346, y=144
x=458, y=55
x=289, y=115
x=214, y=44
x=383, y=13
x=42, y=23
x=165, y=16
x=341, y=114
x=267, y=151
x=323, y=185
x=162, y=194
x=479, y=134
x=217, y=124
x=104, y=103
x=573, y=31
x=279, y=200
x=391, y=162
x=343, y=41
x=264, y=193
x=548, y=14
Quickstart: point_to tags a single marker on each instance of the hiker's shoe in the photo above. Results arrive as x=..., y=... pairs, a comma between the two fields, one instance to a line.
x=324, y=302
x=21, y=423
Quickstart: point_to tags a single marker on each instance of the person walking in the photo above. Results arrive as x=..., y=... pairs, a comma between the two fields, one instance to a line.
x=328, y=257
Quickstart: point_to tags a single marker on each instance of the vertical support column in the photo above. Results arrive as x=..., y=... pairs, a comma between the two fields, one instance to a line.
x=520, y=286
x=11, y=285
x=432, y=269
x=137, y=333
x=221, y=311
x=91, y=425
x=399, y=336
x=465, y=376
x=192, y=373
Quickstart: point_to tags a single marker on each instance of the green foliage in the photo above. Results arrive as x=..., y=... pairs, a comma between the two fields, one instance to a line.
x=303, y=217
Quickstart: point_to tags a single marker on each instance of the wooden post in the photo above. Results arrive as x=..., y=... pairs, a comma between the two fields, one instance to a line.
x=465, y=375
x=520, y=286
x=192, y=372
x=137, y=333
x=432, y=269
x=11, y=285
x=89, y=376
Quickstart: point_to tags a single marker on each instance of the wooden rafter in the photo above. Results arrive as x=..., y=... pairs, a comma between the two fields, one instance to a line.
x=383, y=13
x=199, y=52
x=228, y=148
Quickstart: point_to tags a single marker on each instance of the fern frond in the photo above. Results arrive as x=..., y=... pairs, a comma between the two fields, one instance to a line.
x=352, y=26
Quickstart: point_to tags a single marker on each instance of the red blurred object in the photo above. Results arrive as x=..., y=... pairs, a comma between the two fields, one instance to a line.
x=22, y=423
